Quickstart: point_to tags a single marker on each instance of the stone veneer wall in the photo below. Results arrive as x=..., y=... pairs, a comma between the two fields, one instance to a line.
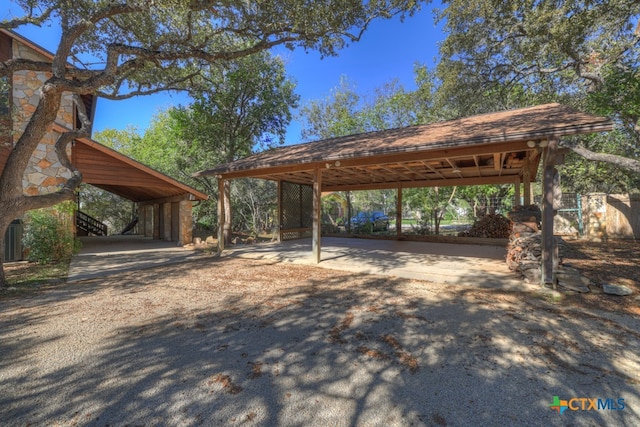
x=611, y=215
x=44, y=174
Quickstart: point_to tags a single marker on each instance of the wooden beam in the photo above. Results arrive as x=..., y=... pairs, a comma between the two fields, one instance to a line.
x=505, y=179
x=431, y=154
x=165, y=200
x=399, y=212
x=220, y=215
x=317, y=220
x=548, y=242
x=476, y=160
x=517, y=191
x=497, y=161
x=434, y=170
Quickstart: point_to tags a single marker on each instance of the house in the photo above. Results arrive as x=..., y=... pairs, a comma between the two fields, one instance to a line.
x=164, y=204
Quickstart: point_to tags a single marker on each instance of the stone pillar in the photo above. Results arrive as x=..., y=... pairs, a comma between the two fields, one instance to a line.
x=148, y=221
x=186, y=223
x=596, y=217
x=175, y=221
x=166, y=221
x=156, y=221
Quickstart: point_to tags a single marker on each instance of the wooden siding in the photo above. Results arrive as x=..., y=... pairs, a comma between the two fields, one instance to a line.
x=107, y=169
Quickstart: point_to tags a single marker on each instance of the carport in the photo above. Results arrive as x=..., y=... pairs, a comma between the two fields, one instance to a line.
x=163, y=203
x=498, y=148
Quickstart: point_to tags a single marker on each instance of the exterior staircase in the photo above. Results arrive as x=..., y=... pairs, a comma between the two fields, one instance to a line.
x=90, y=225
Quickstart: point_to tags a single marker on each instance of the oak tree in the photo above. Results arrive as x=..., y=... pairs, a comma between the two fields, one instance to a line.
x=118, y=49
x=560, y=50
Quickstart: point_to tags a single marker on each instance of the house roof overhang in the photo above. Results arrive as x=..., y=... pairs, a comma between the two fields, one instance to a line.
x=112, y=171
x=495, y=148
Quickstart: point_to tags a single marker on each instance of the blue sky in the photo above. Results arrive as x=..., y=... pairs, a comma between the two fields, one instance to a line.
x=387, y=50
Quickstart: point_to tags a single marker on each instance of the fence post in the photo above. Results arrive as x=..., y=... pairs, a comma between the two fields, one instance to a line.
x=580, y=223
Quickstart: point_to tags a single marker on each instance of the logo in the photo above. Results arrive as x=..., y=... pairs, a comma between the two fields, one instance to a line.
x=586, y=404
x=559, y=405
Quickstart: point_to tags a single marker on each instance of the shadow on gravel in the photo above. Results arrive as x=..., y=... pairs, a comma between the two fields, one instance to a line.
x=328, y=348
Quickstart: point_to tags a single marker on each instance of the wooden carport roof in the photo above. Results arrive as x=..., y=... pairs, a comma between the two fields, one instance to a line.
x=112, y=171
x=494, y=148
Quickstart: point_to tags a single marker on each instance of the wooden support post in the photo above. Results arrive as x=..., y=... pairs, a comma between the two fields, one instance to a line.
x=517, y=192
x=221, y=220
x=526, y=180
x=549, y=254
x=399, y=213
x=228, y=232
x=317, y=205
x=279, y=213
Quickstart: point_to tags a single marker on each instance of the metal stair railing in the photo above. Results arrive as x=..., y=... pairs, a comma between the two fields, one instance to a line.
x=90, y=224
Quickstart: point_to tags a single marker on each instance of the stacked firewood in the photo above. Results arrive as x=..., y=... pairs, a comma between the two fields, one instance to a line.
x=524, y=252
x=489, y=226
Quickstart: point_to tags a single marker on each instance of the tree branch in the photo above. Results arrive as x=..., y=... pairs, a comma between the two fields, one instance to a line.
x=18, y=64
x=29, y=19
x=623, y=162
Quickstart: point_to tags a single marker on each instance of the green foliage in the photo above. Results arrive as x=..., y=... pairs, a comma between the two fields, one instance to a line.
x=246, y=107
x=431, y=203
x=536, y=43
x=48, y=234
x=254, y=204
x=619, y=94
x=336, y=115
x=345, y=112
x=111, y=209
x=487, y=199
x=501, y=55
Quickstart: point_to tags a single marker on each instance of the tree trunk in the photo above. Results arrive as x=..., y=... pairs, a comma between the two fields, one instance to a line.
x=5, y=221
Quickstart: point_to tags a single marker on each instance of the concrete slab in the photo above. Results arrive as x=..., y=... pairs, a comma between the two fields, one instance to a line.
x=102, y=256
x=460, y=264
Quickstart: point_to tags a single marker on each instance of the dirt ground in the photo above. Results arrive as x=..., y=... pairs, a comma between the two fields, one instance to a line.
x=614, y=262
x=246, y=342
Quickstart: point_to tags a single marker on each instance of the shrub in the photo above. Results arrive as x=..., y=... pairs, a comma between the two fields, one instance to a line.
x=48, y=234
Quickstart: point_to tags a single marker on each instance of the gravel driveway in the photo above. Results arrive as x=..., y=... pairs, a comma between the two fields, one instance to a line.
x=242, y=342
